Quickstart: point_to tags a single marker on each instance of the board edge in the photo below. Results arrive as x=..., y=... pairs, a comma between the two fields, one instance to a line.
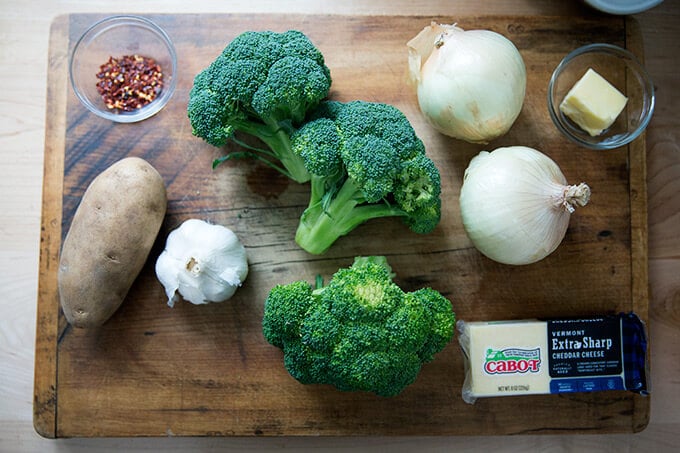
x=47, y=317
x=639, y=228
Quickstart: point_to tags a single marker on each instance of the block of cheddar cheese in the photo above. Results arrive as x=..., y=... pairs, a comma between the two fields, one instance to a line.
x=528, y=357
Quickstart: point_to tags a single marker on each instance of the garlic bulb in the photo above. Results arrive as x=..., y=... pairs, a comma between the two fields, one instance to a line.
x=516, y=204
x=470, y=84
x=202, y=262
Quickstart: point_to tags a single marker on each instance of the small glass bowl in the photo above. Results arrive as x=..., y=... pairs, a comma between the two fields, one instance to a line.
x=115, y=37
x=620, y=68
x=622, y=7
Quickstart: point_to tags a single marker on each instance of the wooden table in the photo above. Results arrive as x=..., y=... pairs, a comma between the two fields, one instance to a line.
x=25, y=31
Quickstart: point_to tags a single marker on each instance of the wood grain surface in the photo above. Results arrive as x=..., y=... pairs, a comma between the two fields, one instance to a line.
x=207, y=370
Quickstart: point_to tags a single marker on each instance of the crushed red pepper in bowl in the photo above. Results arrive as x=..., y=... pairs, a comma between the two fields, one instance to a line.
x=129, y=82
x=124, y=68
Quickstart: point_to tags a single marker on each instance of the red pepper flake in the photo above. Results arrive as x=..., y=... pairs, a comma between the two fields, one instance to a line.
x=130, y=82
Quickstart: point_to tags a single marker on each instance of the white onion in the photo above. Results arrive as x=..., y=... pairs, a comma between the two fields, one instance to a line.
x=470, y=84
x=515, y=204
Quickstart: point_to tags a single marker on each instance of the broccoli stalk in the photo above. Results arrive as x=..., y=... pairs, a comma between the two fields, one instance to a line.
x=262, y=85
x=365, y=162
x=279, y=154
x=322, y=224
x=361, y=332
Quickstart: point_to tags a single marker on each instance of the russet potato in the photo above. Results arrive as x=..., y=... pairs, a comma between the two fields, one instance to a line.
x=109, y=240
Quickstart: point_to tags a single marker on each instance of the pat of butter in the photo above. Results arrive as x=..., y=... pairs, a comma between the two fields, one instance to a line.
x=531, y=357
x=593, y=103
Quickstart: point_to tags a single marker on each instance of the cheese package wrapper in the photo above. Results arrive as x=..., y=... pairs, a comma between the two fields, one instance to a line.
x=529, y=357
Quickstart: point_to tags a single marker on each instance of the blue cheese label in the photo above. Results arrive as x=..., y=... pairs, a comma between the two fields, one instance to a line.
x=554, y=356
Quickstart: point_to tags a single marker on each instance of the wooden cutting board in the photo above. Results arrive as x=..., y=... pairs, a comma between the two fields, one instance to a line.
x=207, y=370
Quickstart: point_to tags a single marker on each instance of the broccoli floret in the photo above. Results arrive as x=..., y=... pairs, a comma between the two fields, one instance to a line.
x=262, y=84
x=361, y=332
x=365, y=162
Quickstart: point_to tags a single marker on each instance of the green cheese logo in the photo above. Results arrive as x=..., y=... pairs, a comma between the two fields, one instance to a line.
x=512, y=360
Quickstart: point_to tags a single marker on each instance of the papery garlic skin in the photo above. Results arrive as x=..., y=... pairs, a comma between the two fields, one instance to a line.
x=470, y=84
x=202, y=262
x=516, y=204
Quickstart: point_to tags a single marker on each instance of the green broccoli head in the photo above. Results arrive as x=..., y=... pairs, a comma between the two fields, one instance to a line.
x=287, y=307
x=384, y=121
x=269, y=76
x=207, y=112
x=293, y=86
x=318, y=144
x=262, y=84
x=363, y=292
x=361, y=332
x=418, y=193
x=371, y=164
x=384, y=172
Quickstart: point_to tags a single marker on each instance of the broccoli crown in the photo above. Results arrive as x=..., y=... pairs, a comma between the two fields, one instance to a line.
x=361, y=332
x=365, y=161
x=318, y=144
x=262, y=84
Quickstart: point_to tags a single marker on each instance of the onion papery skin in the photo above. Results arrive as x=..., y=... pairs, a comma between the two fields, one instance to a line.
x=470, y=84
x=514, y=204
